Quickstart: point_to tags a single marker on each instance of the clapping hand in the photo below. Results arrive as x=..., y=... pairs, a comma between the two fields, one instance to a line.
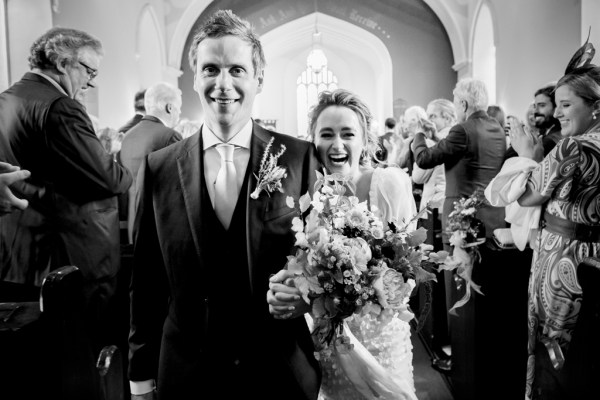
x=284, y=299
x=525, y=143
x=9, y=175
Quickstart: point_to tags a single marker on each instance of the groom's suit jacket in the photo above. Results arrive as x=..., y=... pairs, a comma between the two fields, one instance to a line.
x=198, y=292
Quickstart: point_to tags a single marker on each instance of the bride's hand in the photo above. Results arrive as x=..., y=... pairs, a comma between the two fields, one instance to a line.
x=284, y=299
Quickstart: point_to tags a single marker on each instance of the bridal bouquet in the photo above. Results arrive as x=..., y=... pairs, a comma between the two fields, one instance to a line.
x=349, y=261
x=467, y=233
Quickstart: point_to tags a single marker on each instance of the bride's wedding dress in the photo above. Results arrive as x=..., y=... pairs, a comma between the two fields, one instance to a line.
x=378, y=366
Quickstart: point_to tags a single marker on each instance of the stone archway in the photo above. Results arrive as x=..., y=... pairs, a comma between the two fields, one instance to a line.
x=287, y=46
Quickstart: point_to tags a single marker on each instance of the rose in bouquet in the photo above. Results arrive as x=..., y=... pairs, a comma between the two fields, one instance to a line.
x=466, y=232
x=349, y=261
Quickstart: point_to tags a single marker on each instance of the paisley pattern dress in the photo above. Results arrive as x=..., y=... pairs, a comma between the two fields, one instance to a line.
x=570, y=175
x=387, y=339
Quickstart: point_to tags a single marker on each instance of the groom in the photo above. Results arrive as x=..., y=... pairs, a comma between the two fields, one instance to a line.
x=204, y=249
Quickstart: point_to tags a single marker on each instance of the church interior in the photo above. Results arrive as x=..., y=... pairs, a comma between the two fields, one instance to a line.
x=393, y=53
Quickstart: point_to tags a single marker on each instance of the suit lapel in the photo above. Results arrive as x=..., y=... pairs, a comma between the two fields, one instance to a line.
x=191, y=171
x=255, y=209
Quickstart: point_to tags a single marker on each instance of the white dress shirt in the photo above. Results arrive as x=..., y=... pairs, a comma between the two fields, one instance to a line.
x=212, y=159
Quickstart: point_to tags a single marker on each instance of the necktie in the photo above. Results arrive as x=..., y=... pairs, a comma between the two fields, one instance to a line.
x=226, y=185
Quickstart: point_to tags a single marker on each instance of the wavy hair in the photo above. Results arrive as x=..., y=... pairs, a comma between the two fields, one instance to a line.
x=226, y=23
x=60, y=43
x=474, y=92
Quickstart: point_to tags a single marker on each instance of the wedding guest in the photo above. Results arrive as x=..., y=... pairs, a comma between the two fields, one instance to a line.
x=411, y=123
x=111, y=140
x=435, y=327
x=545, y=124
x=340, y=126
x=72, y=218
x=498, y=114
x=9, y=174
x=443, y=114
x=388, y=142
x=204, y=248
x=566, y=185
x=162, y=102
x=140, y=111
x=472, y=156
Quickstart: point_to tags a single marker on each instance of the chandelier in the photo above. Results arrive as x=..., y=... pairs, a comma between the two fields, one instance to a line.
x=316, y=59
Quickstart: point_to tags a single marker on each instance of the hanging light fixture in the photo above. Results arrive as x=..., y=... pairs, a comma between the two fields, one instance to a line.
x=316, y=59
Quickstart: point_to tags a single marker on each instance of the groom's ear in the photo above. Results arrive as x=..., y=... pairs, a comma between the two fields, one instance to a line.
x=261, y=77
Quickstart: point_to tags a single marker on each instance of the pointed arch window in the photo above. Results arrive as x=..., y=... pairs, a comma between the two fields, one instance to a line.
x=308, y=86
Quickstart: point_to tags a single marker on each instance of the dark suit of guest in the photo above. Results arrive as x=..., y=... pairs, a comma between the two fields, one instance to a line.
x=198, y=290
x=131, y=123
x=72, y=218
x=472, y=155
x=149, y=135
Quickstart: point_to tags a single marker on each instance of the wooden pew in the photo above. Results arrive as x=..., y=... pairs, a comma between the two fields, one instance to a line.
x=45, y=348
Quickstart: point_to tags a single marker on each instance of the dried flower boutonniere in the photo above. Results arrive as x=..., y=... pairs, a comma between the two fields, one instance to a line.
x=270, y=174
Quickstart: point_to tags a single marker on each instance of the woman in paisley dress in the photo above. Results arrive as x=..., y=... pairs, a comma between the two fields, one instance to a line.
x=567, y=185
x=340, y=127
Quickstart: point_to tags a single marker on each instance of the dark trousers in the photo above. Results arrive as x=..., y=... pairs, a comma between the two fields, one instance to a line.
x=489, y=335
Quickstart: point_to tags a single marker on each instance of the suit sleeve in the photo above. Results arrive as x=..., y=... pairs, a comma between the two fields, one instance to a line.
x=85, y=171
x=447, y=150
x=148, y=288
x=311, y=165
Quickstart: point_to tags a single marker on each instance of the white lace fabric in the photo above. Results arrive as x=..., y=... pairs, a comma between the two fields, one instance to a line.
x=389, y=344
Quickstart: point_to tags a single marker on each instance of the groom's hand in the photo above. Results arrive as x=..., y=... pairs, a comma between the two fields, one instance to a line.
x=284, y=299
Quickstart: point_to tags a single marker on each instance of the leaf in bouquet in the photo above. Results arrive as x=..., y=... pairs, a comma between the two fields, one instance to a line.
x=438, y=257
x=417, y=237
x=414, y=258
x=304, y=202
x=330, y=305
x=308, y=286
x=423, y=276
x=318, y=309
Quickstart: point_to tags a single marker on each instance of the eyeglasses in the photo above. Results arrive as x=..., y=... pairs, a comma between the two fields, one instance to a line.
x=90, y=71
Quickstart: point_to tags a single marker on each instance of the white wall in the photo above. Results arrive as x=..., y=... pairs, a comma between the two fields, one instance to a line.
x=536, y=39
x=26, y=21
x=115, y=23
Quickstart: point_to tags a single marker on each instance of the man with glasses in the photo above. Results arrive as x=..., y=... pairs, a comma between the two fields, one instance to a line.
x=72, y=217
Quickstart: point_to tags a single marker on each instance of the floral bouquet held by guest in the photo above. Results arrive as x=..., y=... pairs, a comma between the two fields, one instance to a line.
x=467, y=233
x=348, y=262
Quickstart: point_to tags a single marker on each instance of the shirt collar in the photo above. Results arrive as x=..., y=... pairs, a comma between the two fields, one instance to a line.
x=52, y=81
x=241, y=139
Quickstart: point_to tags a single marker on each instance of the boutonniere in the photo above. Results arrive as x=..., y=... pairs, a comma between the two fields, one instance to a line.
x=270, y=174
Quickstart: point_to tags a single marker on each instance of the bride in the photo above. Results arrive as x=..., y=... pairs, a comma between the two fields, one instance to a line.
x=340, y=127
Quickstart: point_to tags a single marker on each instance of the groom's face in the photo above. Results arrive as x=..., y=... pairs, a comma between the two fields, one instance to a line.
x=226, y=83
